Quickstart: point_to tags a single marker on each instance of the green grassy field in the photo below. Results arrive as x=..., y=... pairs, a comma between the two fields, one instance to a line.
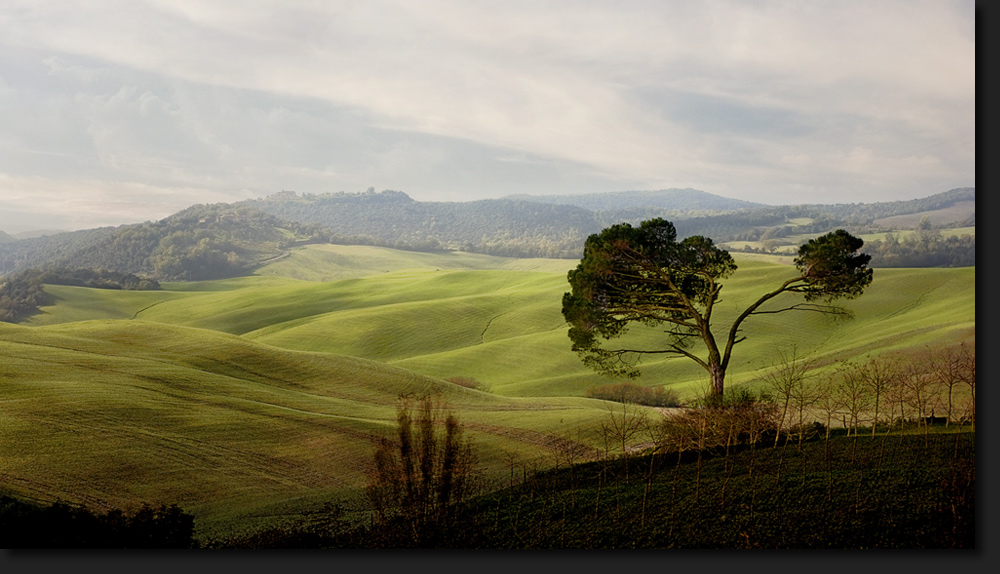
x=253, y=398
x=457, y=316
x=114, y=413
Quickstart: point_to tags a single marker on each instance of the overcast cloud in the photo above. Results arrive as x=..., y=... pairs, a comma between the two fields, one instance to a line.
x=125, y=111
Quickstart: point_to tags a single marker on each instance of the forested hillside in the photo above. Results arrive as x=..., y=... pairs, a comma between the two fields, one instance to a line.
x=201, y=242
x=786, y=220
x=393, y=219
x=520, y=227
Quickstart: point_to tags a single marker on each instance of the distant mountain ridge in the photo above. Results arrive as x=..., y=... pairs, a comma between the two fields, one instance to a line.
x=685, y=199
x=393, y=219
x=214, y=241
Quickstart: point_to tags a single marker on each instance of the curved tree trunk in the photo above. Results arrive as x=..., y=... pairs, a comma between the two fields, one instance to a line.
x=717, y=377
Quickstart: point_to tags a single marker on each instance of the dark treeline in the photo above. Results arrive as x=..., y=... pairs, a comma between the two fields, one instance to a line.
x=22, y=294
x=925, y=248
x=99, y=279
x=25, y=525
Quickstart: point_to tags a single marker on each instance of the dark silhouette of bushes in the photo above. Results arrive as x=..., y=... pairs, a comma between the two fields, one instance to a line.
x=31, y=526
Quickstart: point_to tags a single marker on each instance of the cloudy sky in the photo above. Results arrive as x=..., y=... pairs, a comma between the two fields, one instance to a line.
x=125, y=111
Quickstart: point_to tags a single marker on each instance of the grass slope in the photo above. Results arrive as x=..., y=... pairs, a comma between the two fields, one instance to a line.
x=116, y=413
x=333, y=262
x=503, y=325
x=253, y=398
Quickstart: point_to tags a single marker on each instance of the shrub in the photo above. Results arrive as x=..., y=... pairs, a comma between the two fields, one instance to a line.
x=740, y=418
x=635, y=394
x=470, y=383
x=418, y=484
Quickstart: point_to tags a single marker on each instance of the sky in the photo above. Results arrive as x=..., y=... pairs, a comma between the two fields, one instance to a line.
x=124, y=111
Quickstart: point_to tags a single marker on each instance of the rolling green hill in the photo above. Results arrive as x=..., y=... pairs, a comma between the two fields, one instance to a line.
x=448, y=315
x=116, y=413
x=250, y=399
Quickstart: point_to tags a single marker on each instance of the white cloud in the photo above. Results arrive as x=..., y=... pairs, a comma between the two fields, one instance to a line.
x=714, y=95
x=40, y=203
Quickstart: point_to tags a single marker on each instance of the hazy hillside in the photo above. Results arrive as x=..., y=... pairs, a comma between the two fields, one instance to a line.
x=5, y=238
x=393, y=219
x=226, y=240
x=203, y=241
x=680, y=200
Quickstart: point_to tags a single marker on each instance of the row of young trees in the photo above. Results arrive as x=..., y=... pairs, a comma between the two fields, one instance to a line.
x=873, y=392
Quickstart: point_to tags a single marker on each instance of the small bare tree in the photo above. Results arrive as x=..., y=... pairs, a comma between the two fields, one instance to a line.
x=947, y=365
x=621, y=429
x=678, y=434
x=895, y=399
x=786, y=380
x=879, y=374
x=918, y=386
x=805, y=394
x=829, y=402
x=853, y=393
x=418, y=483
x=968, y=374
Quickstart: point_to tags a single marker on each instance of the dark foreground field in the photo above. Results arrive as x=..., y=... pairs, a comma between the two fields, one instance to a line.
x=905, y=492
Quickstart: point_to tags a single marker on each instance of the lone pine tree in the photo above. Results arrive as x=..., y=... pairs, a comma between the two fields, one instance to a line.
x=644, y=275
